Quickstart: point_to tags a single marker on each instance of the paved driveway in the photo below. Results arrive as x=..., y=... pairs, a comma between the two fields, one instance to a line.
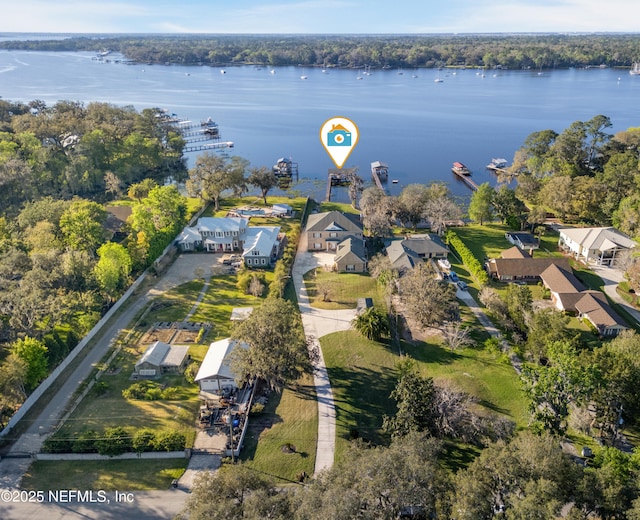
x=611, y=278
x=318, y=323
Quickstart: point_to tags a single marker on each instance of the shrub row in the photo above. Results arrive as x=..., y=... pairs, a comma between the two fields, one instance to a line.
x=149, y=391
x=467, y=257
x=115, y=441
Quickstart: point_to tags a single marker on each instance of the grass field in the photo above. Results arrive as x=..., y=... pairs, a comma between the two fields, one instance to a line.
x=363, y=375
x=290, y=417
x=344, y=289
x=130, y=475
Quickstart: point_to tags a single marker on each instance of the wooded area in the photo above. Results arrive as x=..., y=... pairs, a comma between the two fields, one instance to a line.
x=513, y=51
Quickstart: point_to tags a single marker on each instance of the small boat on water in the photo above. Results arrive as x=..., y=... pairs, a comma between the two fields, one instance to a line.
x=497, y=164
x=635, y=69
x=460, y=169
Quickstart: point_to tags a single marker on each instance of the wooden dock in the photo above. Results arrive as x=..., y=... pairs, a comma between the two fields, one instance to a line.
x=338, y=177
x=378, y=170
x=376, y=179
x=467, y=180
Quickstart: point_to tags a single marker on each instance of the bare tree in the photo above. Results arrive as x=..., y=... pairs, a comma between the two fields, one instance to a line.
x=324, y=288
x=256, y=287
x=455, y=335
x=430, y=301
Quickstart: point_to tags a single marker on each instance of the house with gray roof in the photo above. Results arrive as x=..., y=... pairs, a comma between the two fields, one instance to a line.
x=599, y=246
x=214, y=234
x=260, y=245
x=414, y=249
x=161, y=358
x=324, y=231
x=351, y=256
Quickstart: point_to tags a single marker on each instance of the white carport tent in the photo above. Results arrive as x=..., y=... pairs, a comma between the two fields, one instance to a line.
x=215, y=372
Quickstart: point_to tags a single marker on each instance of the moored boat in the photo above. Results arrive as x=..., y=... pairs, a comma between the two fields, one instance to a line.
x=635, y=69
x=460, y=169
x=497, y=164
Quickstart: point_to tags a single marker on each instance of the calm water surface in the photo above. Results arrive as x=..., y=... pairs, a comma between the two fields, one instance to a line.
x=418, y=126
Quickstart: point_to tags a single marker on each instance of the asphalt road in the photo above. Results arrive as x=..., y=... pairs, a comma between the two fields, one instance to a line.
x=107, y=505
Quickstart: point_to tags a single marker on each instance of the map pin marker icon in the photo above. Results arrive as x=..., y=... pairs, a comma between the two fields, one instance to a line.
x=339, y=136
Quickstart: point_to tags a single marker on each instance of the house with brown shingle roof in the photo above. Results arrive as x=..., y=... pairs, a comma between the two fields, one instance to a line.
x=516, y=264
x=595, y=308
x=570, y=295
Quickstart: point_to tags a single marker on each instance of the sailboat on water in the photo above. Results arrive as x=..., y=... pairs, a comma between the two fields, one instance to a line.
x=635, y=69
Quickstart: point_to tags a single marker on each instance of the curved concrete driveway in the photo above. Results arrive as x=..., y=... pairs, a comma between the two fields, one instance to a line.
x=318, y=323
x=611, y=278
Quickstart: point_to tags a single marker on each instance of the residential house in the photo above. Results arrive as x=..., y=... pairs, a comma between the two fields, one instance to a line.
x=351, y=256
x=215, y=374
x=413, y=249
x=161, y=358
x=261, y=246
x=517, y=264
x=564, y=287
x=214, y=234
x=570, y=295
x=524, y=241
x=595, y=308
x=324, y=231
x=599, y=246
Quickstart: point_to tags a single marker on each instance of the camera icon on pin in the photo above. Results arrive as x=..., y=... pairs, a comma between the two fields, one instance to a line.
x=338, y=136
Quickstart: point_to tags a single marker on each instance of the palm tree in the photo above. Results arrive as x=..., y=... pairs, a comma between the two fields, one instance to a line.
x=372, y=324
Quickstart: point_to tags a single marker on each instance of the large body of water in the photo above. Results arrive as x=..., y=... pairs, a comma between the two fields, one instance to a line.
x=416, y=125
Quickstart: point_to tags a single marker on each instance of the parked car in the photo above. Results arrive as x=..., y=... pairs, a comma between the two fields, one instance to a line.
x=453, y=276
x=444, y=263
x=462, y=286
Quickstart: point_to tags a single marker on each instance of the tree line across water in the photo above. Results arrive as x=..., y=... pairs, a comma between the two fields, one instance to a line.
x=513, y=51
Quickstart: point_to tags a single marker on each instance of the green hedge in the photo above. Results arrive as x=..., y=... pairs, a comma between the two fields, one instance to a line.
x=468, y=259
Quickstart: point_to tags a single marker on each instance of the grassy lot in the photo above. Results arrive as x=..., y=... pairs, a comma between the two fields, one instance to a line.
x=345, y=289
x=175, y=304
x=489, y=240
x=130, y=475
x=290, y=417
x=221, y=298
x=363, y=375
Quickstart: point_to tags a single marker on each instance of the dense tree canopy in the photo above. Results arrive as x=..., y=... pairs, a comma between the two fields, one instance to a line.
x=515, y=51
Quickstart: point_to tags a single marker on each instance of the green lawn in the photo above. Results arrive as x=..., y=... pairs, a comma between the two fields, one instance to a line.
x=290, y=417
x=345, y=289
x=129, y=475
x=221, y=298
x=489, y=240
x=363, y=375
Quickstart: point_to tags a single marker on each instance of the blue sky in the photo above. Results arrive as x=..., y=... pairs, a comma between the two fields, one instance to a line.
x=319, y=16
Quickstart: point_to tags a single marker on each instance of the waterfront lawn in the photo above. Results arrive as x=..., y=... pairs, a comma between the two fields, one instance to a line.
x=345, y=289
x=489, y=241
x=289, y=417
x=109, y=475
